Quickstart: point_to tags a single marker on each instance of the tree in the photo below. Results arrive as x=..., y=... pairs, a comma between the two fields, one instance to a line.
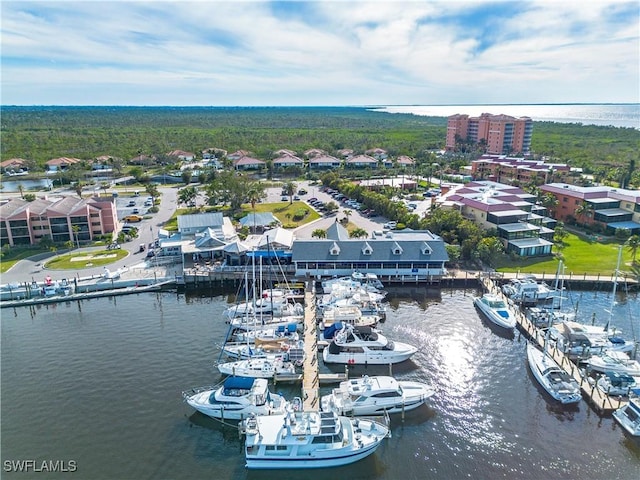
x=187, y=196
x=550, y=202
x=78, y=188
x=633, y=243
x=489, y=249
x=255, y=193
x=585, y=209
x=289, y=189
x=21, y=190
x=29, y=197
x=152, y=191
x=187, y=174
x=319, y=233
x=76, y=231
x=104, y=186
x=331, y=206
x=347, y=213
x=358, y=233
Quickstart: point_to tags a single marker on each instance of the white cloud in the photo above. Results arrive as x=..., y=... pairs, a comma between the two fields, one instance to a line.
x=319, y=53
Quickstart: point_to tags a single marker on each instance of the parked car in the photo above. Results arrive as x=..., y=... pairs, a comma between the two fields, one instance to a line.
x=151, y=254
x=390, y=225
x=132, y=203
x=132, y=218
x=148, y=203
x=312, y=199
x=302, y=191
x=296, y=197
x=136, y=211
x=284, y=198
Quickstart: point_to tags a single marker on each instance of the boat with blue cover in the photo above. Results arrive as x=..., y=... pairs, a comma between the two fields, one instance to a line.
x=496, y=310
x=236, y=399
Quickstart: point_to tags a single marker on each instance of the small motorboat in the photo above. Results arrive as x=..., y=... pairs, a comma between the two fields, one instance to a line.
x=309, y=440
x=558, y=383
x=628, y=416
x=375, y=395
x=236, y=399
x=617, y=384
x=496, y=310
x=614, y=361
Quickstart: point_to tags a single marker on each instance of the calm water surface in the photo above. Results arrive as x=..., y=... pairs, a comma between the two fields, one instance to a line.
x=99, y=382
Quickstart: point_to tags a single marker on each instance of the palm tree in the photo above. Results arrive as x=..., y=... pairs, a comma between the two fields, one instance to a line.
x=76, y=230
x=347, y=213
x=319, y=233
x=78, y=188
x=255, y=193
x=187, y=195
x=104, y=186
x=21, y=190
x=358, y=233
x=550, y=202
x=289, y=189
x=633, y=243
x=585, y=209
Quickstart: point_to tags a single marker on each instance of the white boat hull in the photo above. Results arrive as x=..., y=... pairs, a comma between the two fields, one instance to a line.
x=502, y=317
x=628, y=417
x=401, y=353
x=551, y=377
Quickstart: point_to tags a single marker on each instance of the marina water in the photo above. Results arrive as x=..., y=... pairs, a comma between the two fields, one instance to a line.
x=99, y=383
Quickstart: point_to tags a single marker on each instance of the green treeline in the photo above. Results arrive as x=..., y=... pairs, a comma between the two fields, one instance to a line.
x=43, y=133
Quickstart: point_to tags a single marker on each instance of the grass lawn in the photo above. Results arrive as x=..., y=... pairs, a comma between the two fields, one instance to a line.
x=581, y=256
x=285, y=212
x=15, y=254
x=80, y=260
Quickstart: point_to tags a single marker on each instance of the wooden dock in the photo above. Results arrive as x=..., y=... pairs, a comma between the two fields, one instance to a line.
x=311, y=379
x=600, y=401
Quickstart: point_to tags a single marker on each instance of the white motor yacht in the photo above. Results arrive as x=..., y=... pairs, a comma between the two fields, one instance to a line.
x=496, y=310
x=236, y=399
x=364, y=345
x=309, y=440
x=265, y=367
x=375, y=395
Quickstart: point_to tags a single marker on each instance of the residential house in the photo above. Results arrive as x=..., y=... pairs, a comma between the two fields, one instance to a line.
x=213, y=153
x=405, y=255
x=522, y=225
x=287, y=161
x=608, y=208
x=60, y=164
x=248, y=163
x=102, y=164
x=143, y=160
x=314, y=152
x=324, y=162
x=182, y=155
x=377, y=153
x=284, y=151
x=361, y=161
x=26, y=223
x=345, y=153
x=237, y=155
x=404, y=161
x=14, y=166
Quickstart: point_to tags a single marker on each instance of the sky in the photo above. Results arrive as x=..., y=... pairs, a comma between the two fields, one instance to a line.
x=317, y=53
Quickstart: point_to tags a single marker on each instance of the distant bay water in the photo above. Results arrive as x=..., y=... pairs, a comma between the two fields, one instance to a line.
x=608, y=114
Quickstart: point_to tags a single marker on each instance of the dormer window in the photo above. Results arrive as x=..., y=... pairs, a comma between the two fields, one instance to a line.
x=426, y=249
x=366, y=249
x=335, y=249
x=396, y=249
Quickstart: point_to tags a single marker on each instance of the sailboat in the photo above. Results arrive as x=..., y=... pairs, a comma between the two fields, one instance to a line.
x=557, y=383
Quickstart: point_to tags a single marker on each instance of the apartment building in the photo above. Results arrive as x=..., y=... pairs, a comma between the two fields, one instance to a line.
x=502, y=134
x=605, y=207
x=521, y=224
x=506, y=169
x=26, y=223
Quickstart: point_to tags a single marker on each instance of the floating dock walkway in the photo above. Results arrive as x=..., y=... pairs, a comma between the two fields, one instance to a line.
x=603, y=404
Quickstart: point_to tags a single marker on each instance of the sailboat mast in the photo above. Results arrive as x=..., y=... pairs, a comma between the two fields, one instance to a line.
x=615, y=287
